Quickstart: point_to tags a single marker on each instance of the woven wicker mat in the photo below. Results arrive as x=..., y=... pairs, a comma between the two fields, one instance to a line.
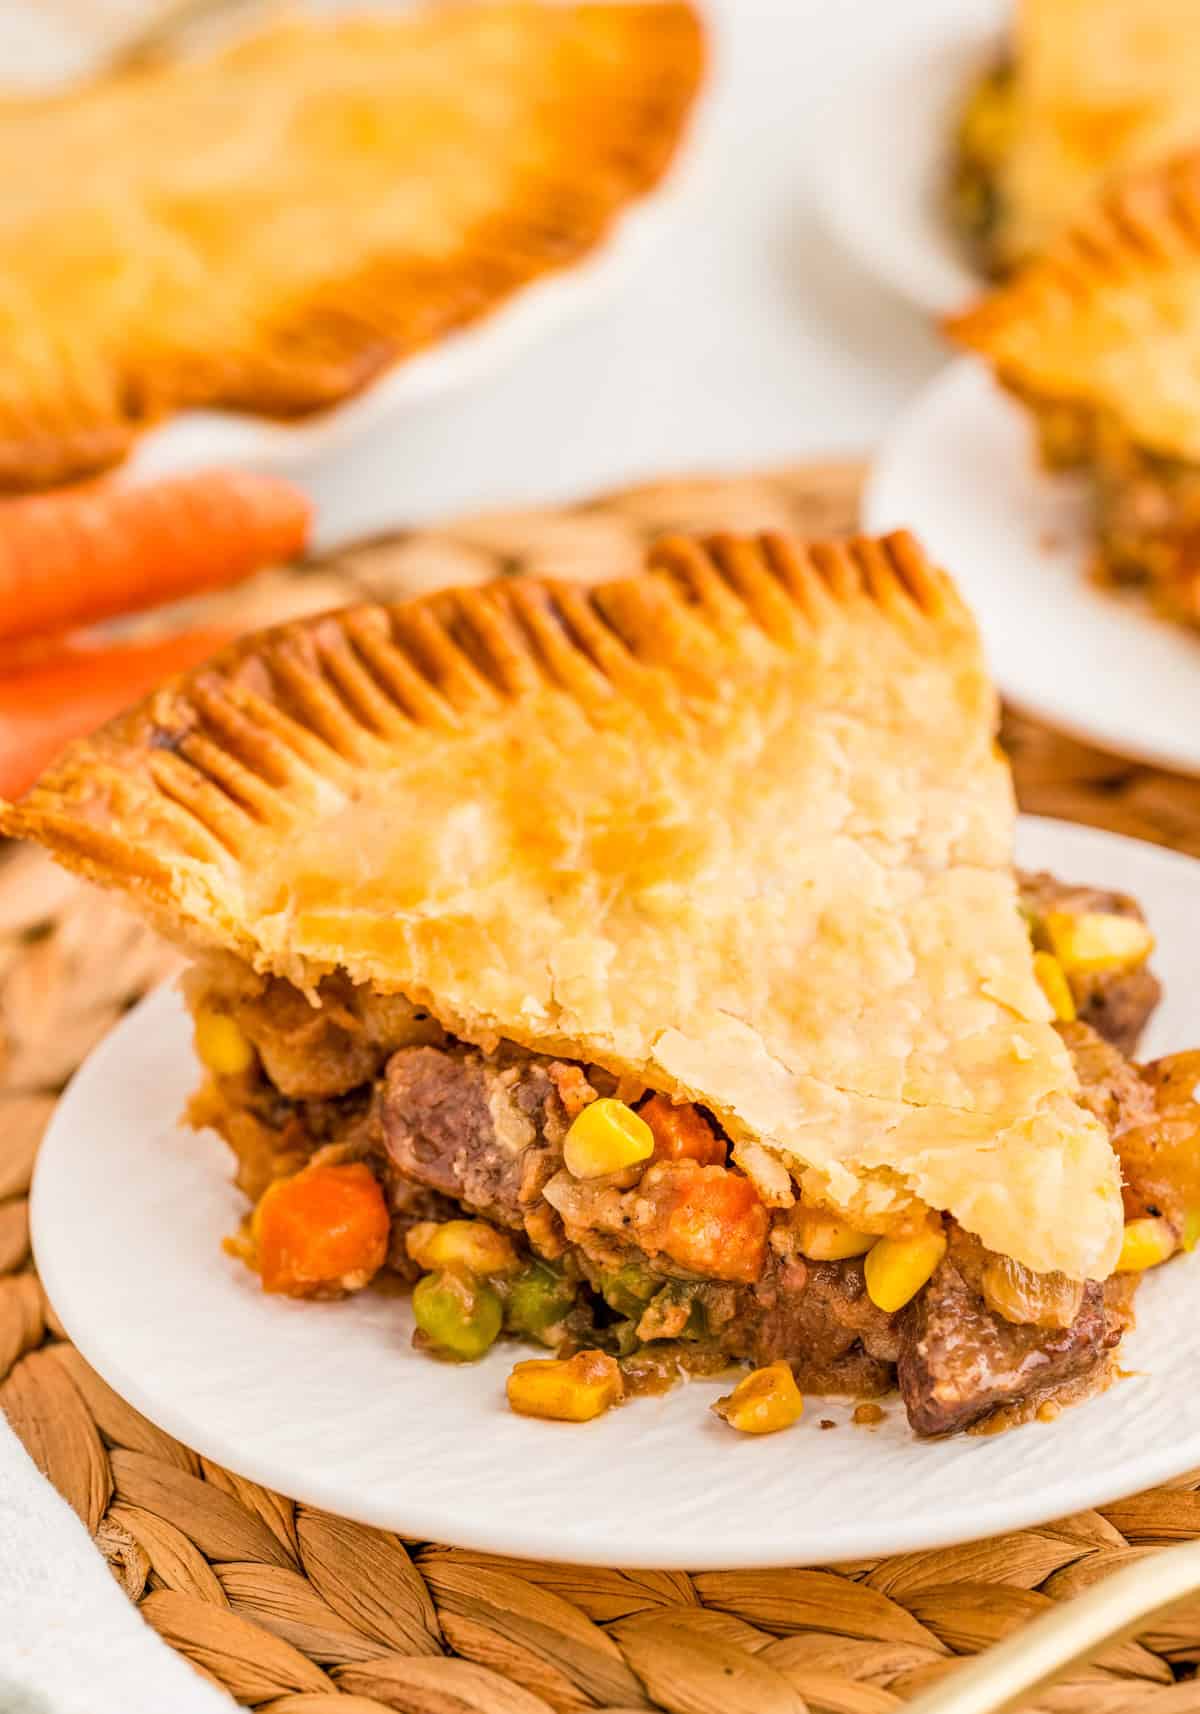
x=298, y=1612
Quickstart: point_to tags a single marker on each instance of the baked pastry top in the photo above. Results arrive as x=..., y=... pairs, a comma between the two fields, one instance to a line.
x=737, y=828
x=1108, y=320
x=267, y=228
x=1099, y=86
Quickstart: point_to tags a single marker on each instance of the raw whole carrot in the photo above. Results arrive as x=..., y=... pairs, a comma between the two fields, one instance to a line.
x=83, y=554
x=71, y=689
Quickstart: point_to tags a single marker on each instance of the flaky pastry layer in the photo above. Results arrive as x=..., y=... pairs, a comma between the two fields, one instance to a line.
x=737, y=828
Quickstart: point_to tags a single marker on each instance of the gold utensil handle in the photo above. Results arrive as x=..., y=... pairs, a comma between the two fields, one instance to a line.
x=1008, y=1674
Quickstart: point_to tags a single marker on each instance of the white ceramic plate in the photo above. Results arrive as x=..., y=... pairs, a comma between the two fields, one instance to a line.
x=328, y=1403
x=885, y=189
x=960, y=470
x=201, y=438
x=462, y=360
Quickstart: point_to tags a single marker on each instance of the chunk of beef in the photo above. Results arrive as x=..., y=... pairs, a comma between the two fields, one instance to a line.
x=959, y=1361
x=1115, y=1003
x=1118, y=1003
x=315, y=1052
x=1112, y=1087
x=1154, y=1127
x=484, y=1133
x=817, y=1317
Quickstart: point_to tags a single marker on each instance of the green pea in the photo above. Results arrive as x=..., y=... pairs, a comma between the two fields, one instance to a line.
x=628, y=1289
x=459, y=1315
x=538, y=1299
x=661, y=1318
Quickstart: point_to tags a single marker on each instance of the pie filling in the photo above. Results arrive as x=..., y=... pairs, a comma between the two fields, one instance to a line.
x=981, y=143
x=1146, y=505
x=543, y=1199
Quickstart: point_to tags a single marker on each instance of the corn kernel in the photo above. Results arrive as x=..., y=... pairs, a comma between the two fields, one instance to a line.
x=1054, y=985
x=763, y=1402
x=1146, y=1243
x=574, y=1389
x=1097, y=940
x=221, y=1044
x=606, y=1136
x=897, y=1268
x=825, y=1238
x=469, y=1244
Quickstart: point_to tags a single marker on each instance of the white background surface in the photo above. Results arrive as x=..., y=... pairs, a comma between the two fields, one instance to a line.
x=746, y=338
x=887, y=193
x=329, y=1403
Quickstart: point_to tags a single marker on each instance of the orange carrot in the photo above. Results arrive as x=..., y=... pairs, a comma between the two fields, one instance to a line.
x=47, y=701
x=323, y=1230
x=717, y=1225
x=682, y=1132
x=83, y=554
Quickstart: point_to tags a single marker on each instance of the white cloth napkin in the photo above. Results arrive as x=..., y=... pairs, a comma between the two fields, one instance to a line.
x=70, y=1641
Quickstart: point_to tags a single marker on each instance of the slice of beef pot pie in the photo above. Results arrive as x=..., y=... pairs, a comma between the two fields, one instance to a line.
x=641, y=971
x=1100, y=340
x=268, y=226
x=1083, y=91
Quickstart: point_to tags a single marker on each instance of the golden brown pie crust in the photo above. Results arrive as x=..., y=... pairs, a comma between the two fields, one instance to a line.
x=1100, y=87
x=268, y=228
x=737, y=828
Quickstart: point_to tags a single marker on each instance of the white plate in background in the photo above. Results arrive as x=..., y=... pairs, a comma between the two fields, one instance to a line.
x=886, y=187
x=960, y=470
x=459, y=361
x=44, y=50
x=329, y=1404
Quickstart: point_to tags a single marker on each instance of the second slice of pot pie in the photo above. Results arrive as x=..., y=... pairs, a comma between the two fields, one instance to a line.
x=1101, y=340
x=268, y=226
x=1086, y=90
x=666, y=928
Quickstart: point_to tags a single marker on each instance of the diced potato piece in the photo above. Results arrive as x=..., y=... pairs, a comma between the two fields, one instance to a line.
x=897, y=1268
x=1146, y=1243
x=1097, y=940
x=764, y=1402
x=470, y=1244
x=221, y=1044
x=574, y=1389
x=1054, y=985
x=825, y=1238
x=606, y=1137
x=460, y=1316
